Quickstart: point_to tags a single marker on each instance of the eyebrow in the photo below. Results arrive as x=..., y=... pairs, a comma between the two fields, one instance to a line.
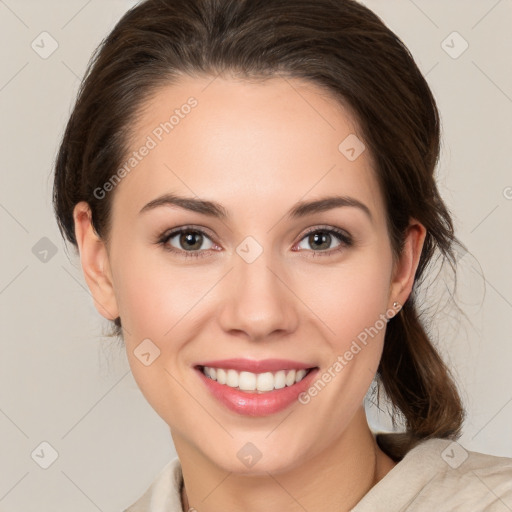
x=216, y=210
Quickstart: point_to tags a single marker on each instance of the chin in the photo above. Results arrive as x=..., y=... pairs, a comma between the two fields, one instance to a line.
x=249, y=460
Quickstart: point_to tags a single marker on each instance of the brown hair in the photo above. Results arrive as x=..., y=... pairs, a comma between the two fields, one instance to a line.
x=339, y=45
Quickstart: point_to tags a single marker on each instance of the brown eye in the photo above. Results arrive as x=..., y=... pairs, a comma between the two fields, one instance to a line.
x=190, y=240
x=187, y=242
x=320, y=240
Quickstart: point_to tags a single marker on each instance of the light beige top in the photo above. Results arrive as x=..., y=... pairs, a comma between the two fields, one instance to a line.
x=436, y=475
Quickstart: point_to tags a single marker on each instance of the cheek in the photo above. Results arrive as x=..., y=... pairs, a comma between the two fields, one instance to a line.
x=158, y=302
x=354, y=298
x=353, y=304
x=153, y=312
x=152, y=295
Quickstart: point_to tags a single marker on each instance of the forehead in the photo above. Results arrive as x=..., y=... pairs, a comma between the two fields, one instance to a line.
x=246, y=143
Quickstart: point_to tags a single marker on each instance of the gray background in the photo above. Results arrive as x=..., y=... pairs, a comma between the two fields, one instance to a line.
x=63, y=383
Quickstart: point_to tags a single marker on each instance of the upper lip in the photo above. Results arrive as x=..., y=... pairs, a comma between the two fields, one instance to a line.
x=253, y=366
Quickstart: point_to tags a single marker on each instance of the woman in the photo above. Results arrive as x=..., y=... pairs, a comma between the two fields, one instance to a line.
x=213, y=145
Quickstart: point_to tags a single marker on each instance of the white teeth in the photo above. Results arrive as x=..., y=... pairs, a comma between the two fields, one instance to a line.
x=300, y=375
x=264, y=382
x=221, y=375
x=280, y=379
x=232, y=378
x=248, y=381
x=290, y=378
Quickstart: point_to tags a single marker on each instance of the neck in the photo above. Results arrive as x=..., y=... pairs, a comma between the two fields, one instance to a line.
x=336, y=478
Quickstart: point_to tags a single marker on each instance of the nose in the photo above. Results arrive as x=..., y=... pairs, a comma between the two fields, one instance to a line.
x=259, y=299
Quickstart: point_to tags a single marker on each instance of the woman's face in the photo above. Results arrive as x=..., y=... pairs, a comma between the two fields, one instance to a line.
x=259, y=282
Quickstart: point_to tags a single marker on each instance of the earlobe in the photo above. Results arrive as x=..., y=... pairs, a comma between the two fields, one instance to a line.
x=95, y=262
x=407, y=264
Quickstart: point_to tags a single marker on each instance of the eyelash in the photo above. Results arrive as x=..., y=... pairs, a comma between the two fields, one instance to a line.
x=344, y=239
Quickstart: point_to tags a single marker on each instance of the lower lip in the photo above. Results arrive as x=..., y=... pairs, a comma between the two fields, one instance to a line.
x=257, y=404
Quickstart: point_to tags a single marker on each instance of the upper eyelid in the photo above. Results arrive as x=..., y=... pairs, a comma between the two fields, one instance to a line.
x=188, y=227
x=326, y=227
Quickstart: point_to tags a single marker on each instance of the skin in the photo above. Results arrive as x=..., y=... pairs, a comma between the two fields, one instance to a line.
x=256, y=148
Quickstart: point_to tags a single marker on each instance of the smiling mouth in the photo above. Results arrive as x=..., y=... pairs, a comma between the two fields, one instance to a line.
x=257, y=383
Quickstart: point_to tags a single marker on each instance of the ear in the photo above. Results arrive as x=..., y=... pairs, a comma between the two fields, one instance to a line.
x=95, y=262
x=405, y=267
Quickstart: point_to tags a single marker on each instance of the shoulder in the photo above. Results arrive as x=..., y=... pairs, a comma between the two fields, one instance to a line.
x=440, y=474
x=483, y=480
x=163, y=495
